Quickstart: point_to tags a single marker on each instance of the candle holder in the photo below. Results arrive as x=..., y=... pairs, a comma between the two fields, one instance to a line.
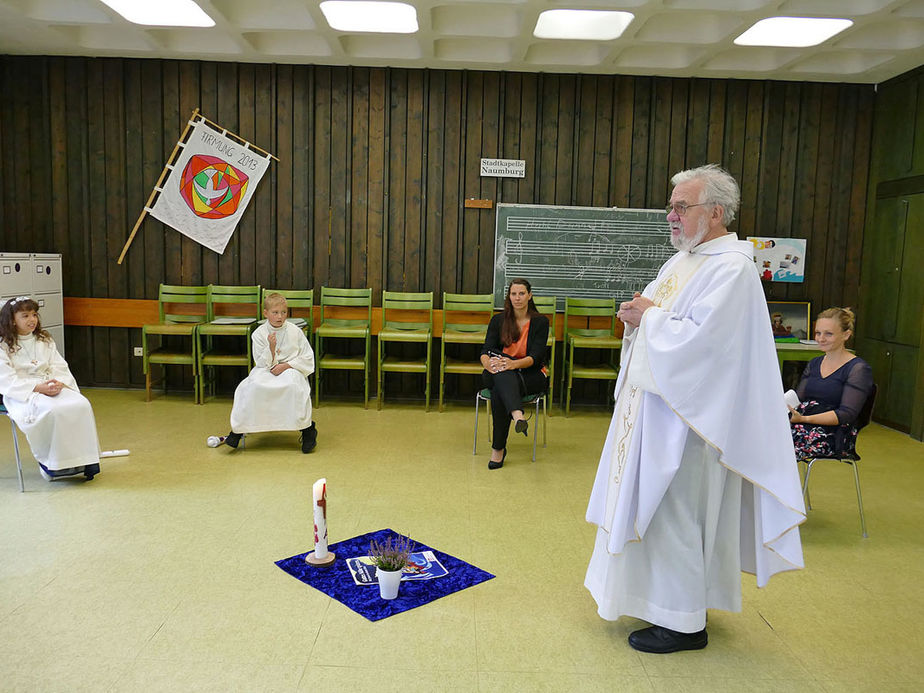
x=326, y=562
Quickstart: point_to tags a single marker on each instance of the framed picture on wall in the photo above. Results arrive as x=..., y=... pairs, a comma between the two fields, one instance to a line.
x=791, y=320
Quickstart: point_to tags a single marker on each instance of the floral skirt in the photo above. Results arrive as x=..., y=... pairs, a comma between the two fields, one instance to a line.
x=812, y=441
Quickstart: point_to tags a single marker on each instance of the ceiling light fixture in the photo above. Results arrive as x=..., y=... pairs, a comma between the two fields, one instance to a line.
x=792, y=32
x=162, y=12
x=583, y=25
x=370, y=16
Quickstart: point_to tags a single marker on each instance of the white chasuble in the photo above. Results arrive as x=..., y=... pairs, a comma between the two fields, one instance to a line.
x=61, y=430
x=267, y=402
x=699, y=381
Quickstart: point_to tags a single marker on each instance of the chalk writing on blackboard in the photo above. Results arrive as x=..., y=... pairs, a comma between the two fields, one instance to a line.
x=584, y=252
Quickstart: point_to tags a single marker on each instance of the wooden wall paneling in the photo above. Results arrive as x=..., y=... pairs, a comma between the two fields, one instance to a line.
x=803, y=200
x=718, y=97
x=435, y=183
x=149, y=244
x=227, y=114
x=750, y=182
x=771, y=150
x=857, y=211
x=491, y=146
x=283, y=149
x=790, y=146
x=75, y=253
x=359, y=178
x=302, y=177
x=659, y=141
x=623, y=128
x=680, y=109
x=266, y=127
x=135, y=197
x=5, y=130
x=57, y=134
x=510, y=131
x=604, y=155
x=641, y=126
x=322, y=179
x=585, y=118
x=39, y=154
x=452, y=255
x=414, y=193
x=189, y=100
x=340, y=177
x=469, y=174
x=21, y=163
x=173, y=125
x=549, y=138
x=567, y=134
x=813, y=287
x=527, y=115
x=697, y=126
x=377, y=207
x=247, y=227
x=736, y=113
x=208, y=106
x=397, y=182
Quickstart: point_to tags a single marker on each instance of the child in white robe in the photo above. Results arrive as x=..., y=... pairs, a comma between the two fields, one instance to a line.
x=42, y=397
x=276, y=396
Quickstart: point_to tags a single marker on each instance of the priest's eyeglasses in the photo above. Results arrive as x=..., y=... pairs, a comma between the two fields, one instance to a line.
x=682, y=207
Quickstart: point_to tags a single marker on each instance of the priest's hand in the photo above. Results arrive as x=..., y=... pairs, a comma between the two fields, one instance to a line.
x=630, y=312
x=51, y=388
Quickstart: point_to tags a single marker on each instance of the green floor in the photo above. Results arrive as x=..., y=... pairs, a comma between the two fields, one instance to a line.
x=159, y=575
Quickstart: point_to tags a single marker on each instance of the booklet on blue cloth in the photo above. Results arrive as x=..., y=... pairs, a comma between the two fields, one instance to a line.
x=422, y=565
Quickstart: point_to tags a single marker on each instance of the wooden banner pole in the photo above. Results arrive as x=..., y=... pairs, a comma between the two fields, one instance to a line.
x=160, y=180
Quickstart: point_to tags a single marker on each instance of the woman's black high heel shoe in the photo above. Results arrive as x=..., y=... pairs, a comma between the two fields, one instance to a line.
x=520, y=427
x=497, y=465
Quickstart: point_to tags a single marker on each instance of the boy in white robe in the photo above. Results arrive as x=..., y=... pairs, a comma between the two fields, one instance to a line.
x=698, y=478
x=42, y=397
x=276, y=395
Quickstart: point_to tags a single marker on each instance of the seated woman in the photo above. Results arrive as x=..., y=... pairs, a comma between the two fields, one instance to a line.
x=513, y=357
x=833, y=390
x=42, y=397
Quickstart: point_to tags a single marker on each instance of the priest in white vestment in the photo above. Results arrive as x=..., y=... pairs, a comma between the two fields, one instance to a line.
x=698, y=479
x=276, y=395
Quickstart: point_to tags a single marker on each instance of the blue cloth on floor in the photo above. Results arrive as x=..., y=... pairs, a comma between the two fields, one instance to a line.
x=337, y=582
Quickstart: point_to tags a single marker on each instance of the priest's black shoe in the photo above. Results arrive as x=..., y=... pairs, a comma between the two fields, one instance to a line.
x=233, y=439
x=660, y=640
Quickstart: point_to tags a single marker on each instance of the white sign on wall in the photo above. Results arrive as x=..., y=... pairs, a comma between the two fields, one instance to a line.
x=503, y=168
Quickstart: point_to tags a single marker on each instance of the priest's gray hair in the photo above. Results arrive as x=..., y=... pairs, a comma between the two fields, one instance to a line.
x=719, y=188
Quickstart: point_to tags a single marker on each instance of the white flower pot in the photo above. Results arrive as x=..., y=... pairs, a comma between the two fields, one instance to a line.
x=389, y=581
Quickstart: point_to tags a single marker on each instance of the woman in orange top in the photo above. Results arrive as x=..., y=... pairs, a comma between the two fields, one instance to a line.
x=513, y=357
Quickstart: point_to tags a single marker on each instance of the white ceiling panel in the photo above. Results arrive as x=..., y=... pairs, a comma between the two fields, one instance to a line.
x=682, y=38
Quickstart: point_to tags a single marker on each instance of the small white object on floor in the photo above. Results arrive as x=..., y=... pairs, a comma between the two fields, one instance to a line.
x=113, y=453
x=215, y=441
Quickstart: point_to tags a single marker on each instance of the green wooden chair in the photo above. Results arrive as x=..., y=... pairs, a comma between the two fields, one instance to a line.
x=465, y=321
x=578, y=334
x=546, y=306
x=334, y=324
x=232, y=313
x=301, y=307
x=406, y=317
x=484, y=395
x=182, y=310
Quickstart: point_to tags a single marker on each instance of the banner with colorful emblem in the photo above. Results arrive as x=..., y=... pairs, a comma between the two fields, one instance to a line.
x=209, y=184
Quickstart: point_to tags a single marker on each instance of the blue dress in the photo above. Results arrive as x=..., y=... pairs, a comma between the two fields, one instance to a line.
x=844, y=392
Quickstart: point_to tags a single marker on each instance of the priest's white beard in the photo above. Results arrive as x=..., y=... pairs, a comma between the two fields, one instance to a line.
x=686, y=243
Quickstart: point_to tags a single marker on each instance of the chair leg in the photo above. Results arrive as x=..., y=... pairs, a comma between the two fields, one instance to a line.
x=147, y=385
x=535, y=429
x=477, y=407
x=856, y=478
x=22, y=487
x=805, y=483
x=545, y=421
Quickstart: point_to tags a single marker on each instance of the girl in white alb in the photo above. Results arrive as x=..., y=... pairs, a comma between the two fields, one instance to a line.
x=42, y=397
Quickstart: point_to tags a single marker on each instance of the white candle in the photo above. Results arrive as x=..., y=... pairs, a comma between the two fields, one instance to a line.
x=319, y=491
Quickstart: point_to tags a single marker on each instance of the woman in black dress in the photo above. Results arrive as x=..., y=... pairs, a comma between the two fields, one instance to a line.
x=513, y=357
x=833, y=390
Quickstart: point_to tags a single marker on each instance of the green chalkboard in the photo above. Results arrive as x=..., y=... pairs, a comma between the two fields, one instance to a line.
x=583, y=252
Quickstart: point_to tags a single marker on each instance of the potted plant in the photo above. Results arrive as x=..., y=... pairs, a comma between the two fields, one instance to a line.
x=390, y=557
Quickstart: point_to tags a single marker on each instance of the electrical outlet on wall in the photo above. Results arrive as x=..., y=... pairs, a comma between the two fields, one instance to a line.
x=139, y=351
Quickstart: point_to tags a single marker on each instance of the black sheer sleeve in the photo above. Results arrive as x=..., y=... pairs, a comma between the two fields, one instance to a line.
x=800, y=388
x=856, y=389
